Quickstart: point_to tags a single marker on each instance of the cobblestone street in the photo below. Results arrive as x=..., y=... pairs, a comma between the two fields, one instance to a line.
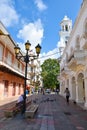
x=53, y=114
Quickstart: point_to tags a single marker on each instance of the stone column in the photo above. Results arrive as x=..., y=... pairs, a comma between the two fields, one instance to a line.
x=77, y=94
x=85, y=80
x=62, y=87
x=70, y=87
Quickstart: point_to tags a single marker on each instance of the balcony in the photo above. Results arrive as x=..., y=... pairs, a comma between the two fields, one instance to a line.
x=32, y=65
x=71, y=62
x=78, y=60
x=7, y=66
x=80, y=56
x=31, y=73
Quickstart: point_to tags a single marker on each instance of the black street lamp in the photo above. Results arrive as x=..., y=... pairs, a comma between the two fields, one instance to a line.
x=26, y=60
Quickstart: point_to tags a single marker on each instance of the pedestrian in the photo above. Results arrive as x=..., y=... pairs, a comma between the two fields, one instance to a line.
x=20, y=102
x=57, y=90
x=27, y=92
x=67, y=95
x=21, y=98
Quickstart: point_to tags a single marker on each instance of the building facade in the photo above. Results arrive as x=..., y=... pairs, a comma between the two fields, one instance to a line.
x=73, y=64
x=34, y=74
x=11, y=70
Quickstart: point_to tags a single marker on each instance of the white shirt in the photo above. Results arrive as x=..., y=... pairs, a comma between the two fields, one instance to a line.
x=20, y=99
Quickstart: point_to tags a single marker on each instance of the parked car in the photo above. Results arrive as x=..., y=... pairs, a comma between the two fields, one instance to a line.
x=48, y=91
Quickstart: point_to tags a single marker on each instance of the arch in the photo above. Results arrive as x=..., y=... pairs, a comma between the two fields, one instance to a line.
x=81, y=88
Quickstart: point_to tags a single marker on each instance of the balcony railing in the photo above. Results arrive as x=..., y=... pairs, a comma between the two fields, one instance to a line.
x=5, y=62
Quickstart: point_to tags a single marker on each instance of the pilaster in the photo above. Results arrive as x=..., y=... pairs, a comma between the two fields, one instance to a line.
x=77, y=95
x=85, y=92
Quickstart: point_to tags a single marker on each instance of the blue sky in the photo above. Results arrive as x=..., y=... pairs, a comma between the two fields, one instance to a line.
x=37, y=21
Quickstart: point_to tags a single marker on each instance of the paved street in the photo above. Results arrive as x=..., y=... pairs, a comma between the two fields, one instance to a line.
x=53, y=114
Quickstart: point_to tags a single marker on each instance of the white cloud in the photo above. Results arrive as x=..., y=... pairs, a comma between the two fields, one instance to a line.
x=8, y=15
x=41, y=6
x=32, y=32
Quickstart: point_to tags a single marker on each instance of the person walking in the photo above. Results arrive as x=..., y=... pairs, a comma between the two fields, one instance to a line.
x=67, y=95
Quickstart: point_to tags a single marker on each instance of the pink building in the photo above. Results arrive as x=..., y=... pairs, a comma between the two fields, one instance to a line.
x=12, y=71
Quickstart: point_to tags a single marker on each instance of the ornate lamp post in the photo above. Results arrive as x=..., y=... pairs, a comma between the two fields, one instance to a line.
x=26, y=60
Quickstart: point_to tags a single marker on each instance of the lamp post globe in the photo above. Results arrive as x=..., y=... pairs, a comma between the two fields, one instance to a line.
x=38, y=49
x=27, y=45
x=17, y=50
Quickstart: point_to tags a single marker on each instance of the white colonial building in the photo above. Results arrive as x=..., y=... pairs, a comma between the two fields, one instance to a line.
x=73, y=64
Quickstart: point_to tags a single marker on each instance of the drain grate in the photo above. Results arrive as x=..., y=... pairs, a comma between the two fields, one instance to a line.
x=67, y=113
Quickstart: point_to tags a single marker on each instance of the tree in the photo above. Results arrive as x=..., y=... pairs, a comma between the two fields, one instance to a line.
x=50, y=70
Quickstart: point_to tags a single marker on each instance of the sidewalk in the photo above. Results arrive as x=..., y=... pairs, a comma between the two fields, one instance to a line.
x=8, y=100
x=53, y=114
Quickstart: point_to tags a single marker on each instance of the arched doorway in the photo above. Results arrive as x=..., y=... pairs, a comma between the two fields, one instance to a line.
x=81, y=88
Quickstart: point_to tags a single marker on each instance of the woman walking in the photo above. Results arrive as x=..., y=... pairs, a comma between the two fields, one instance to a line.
x=67, y=95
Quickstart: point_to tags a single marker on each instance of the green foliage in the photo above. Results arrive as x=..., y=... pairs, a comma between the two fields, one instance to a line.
x=50, y=70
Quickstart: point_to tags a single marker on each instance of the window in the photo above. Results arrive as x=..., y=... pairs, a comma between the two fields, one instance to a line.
x=5, y=88
x=67, y=37
x=31, y=69
x=66, y=42
x=1, y=51
x=19, y=89
x=18, y=65
x=14, y=89
x=9, y=58
x=66, y=27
